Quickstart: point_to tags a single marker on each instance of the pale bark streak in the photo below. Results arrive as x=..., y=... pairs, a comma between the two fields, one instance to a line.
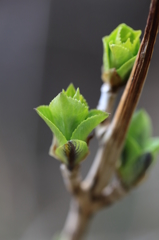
x=76, y=223
x=106, y=104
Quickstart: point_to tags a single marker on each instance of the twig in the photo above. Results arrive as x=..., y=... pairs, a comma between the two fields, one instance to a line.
x=76, y=223
x=72, y=179
x=106, y=104
x=114, y=192
x=108, y=154
x=93, y=196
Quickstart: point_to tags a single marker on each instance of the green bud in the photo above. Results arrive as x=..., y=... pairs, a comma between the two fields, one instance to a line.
x=140, y=127
x=140, y=149
x=120, y=51
x=71, y=122
x=133, y=173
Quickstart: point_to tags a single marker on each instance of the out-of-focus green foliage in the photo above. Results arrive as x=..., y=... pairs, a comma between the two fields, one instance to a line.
x=139, y=151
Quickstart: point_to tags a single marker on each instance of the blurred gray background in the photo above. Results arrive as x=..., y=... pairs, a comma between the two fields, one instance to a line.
x=45, y=45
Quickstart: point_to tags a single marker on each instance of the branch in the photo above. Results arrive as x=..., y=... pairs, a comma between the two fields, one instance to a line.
x=72, y=179
x=113, y=193
x=106, y=104
x=108, y=154
x=116, y=190
x=76, y=223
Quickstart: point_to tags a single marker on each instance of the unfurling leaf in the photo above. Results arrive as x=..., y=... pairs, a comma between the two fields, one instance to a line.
x=140, y=127
x=139, y=151
x=71, y=122
x=133, y=172
x=73, y=152
x=120, y=51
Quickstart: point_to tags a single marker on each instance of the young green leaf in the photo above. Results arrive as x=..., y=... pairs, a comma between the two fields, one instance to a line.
x=139, y=150
x=86, y=127
x=140, y=127
x=68, y=113
x=125, y=69
x=131, y=151
x=71, y=122
x=119, y=55
x=45, y=113
x=70, y=91
x=120, y=47
x=130, y=154
x=80, y=98
x=136, y=170
x=152, y=146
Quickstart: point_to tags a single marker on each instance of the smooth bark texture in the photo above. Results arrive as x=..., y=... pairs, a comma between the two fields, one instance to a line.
x=106, y=104
x=76, y=222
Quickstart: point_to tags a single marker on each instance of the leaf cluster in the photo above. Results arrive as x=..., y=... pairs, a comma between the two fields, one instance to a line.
x=140, y=149
x=69, y=118
x=120, y=50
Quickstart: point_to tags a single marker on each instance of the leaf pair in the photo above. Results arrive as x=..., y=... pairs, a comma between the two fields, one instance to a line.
x=139, y=151
x=120, y=50
x=70, y=120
